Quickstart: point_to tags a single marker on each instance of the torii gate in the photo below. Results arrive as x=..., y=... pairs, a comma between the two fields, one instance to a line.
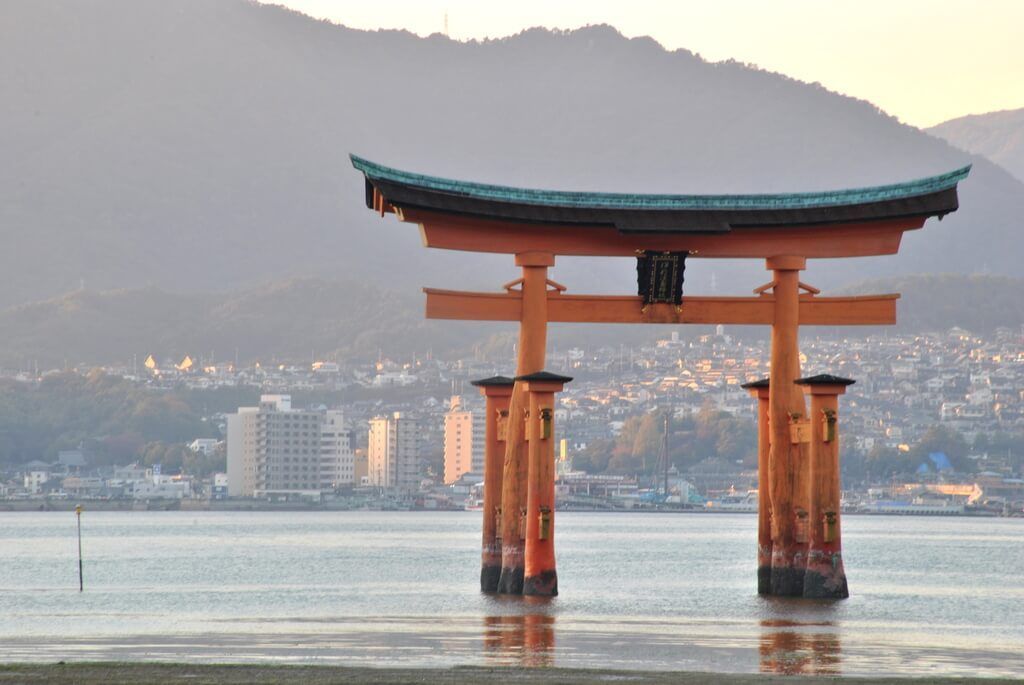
x=798, y=517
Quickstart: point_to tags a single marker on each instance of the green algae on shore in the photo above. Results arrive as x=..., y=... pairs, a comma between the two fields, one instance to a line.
x=224, y=674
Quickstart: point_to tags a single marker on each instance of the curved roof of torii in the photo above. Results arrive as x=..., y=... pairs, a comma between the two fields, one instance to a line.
x=661, y=213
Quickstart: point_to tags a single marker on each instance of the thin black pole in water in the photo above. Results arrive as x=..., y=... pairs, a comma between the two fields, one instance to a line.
x=78, y=515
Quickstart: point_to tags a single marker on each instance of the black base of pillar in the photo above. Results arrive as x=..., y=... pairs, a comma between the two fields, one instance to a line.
x=543, y=585
x=511, y=580
x=787, y=582
x=489, y=577
x=818, y=586
x=764, y=580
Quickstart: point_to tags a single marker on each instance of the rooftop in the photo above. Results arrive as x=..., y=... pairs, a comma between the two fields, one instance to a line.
x=663, y=213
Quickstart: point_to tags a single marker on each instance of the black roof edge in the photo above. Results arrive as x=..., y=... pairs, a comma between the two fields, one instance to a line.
x=493, y=381
x=544, y=376
x=824, y=379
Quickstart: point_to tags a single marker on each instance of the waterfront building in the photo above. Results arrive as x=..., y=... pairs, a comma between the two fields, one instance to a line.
x=337, y=462
x=463, y=441
x=34, y=481
x=393, y=453
x=274, y=449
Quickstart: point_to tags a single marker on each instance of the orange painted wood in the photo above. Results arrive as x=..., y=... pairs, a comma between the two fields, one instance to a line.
x=475, y=234
x=533, y=304
x=764, y=531
x=825, y=576
x=540, y=576
x=785, y=459
x=497, y=399
x=862, y=310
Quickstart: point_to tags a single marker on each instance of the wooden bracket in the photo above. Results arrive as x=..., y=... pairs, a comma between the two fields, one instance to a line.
x=763, y=289
x=809, y=288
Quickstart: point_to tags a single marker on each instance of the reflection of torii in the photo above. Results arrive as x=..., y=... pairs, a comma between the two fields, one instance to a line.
x=783, y=229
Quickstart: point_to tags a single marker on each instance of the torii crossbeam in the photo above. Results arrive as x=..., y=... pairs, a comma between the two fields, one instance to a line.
x=798, y=456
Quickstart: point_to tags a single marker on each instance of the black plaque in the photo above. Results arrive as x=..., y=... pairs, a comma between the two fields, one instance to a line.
x=659, y=276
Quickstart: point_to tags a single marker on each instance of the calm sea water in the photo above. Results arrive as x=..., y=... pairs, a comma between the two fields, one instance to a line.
x=928, y=595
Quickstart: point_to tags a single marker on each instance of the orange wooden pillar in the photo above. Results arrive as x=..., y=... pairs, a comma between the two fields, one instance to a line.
x=785, y=403
x=532, y=349
x=825, y=577
x=540, y=576
x=760, y=390
x=498, y=391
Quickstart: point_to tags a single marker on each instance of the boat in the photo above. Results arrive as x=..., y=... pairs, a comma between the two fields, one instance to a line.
x=733, y=503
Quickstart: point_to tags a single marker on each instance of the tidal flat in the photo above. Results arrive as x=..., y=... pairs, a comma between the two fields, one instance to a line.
x=146, y=673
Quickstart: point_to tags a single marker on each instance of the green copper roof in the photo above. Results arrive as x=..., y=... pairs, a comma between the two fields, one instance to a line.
x=638, y=201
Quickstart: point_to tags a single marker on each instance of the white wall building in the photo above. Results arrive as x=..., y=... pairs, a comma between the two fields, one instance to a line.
x=34, y=481
x=338, y=463
x=204, y=446
x=274, y=449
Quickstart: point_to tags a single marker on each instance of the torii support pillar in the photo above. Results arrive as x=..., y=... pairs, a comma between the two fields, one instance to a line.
x=533, y=323
x=825, y=577
x=540, y=576
x=787, y=477
x=498, y=391
x=760, y=389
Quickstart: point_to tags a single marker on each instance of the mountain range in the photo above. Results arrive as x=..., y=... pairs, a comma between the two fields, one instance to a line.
x=192, y=152
x=998, y=136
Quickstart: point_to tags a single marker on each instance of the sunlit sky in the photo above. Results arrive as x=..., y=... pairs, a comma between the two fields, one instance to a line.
x=923, y=61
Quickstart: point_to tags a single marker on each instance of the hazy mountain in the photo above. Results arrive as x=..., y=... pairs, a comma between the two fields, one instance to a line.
x=201, y=145
x=303, y=318
x=293, y=320
x=937, y=302
x=999, y=136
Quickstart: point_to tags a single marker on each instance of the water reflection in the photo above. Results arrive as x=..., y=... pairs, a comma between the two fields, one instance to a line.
x=523, y=638
x=788, y=649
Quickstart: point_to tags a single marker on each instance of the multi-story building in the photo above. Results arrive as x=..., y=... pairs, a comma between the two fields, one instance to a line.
x=463, y=441
x=241, y=452
x=337, y=462
x=274, y=449
x=393, y=453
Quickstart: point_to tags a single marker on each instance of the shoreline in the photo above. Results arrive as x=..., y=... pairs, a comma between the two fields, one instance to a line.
x=194, y=506
x=114, y=673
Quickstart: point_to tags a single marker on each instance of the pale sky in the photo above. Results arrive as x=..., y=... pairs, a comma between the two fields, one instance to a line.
x=923, y=61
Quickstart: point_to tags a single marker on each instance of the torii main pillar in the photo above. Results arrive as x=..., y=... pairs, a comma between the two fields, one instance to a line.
x=786, y=459
x=532, y=350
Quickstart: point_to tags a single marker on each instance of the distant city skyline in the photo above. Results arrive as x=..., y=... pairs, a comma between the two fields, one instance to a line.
x=921, y=61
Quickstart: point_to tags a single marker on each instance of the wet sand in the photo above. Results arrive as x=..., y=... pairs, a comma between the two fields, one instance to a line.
x=117, y=673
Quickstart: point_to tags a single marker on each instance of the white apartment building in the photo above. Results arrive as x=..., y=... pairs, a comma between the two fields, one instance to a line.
x=274, y=449
x=337, y=462
x=393, y=453
x=464, y=436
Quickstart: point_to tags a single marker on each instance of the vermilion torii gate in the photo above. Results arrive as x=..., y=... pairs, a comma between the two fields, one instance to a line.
x=799, y=551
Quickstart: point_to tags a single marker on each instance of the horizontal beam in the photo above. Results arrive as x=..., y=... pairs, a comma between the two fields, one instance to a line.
x=863, y=310
x=476, y=234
